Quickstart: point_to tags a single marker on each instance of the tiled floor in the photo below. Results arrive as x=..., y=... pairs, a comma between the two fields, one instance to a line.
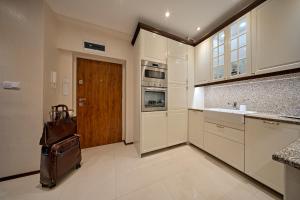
x=115, y=172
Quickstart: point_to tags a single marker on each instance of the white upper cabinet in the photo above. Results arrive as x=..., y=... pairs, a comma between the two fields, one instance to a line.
x=203, y=62
x=154, y=47
x=239, y=48
x=275, y=37
x=177, y=49
x=218, y=46
x=177, y=70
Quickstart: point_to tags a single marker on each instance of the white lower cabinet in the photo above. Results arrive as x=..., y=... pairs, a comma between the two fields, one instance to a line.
x=225, y=143
x=154, y=131
x=177, y=127
x=162, y=129
x=262, y=139
x=196, y=128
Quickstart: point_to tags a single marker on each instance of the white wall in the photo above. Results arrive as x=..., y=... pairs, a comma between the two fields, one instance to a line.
x=50, y=60
x=72, y=34
x=21, y=59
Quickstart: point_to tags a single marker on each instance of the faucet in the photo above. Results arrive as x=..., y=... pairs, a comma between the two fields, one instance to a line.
x=234, y=105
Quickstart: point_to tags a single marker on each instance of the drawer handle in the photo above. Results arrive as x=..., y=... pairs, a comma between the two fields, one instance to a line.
x=270, y=122
x=219, y=126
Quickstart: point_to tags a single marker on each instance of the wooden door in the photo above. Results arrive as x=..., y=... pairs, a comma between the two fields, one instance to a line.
x=99, y=102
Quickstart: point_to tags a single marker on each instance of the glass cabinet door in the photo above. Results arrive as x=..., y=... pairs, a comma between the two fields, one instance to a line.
x=238, y=47
x=218, y=58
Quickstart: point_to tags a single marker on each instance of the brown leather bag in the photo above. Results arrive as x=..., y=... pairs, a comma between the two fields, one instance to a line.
x=58, y=160
x=58, y=130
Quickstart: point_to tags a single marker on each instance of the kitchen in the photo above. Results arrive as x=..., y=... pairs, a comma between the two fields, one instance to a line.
x=227, y=102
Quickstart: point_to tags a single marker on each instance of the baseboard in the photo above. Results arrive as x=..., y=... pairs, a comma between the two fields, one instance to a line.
x=127, y=143
x=19, y=175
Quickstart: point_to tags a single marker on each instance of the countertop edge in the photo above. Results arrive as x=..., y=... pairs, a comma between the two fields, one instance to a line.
x=197, y=109
x=289, y=155
x=289, y=121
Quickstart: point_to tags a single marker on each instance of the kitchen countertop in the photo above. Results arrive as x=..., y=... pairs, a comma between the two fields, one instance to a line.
x=290, y=155
x=258, y=115
x=273, y=117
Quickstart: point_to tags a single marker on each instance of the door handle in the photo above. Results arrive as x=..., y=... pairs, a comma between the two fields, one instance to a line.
x=81, y=99
x=271, y=122
x=219, y=126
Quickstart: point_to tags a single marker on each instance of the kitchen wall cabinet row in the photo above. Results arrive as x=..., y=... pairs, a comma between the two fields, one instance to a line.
x=249, y=150
x=262, y=41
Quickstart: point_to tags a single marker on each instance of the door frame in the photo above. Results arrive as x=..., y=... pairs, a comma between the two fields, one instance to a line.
x=103, y=59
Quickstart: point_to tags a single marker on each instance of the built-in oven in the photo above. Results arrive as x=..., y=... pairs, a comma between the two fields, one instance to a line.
x=154, y=99
x=154, y=74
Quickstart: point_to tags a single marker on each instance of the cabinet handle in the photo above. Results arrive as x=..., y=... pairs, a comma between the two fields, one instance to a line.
x=219, y=126
x=270, y=122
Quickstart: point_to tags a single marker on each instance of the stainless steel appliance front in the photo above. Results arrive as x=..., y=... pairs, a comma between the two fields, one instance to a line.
x=154, y=74
x=154, y=99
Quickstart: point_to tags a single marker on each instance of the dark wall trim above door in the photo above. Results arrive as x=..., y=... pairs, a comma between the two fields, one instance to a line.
x=209, y=33
x=230, y=20
x=159, y=32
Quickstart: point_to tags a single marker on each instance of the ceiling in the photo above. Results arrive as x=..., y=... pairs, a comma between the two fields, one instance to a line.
x=123, y=15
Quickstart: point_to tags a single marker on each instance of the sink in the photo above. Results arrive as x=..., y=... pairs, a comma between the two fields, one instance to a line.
x=230, y=111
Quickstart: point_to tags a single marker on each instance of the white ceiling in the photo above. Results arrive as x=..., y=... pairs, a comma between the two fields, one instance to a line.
x=123, y=15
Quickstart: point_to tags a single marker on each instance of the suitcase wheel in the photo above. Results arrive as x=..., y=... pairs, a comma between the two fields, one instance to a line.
x=52, y=185
x=78, y=166
x=49, y=186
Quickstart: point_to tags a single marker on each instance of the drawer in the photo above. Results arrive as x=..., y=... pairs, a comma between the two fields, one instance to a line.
x=226, y=150
x=231, y=120
x=225, y=132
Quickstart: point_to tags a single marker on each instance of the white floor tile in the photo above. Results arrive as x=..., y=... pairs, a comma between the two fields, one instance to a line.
x=115, y=171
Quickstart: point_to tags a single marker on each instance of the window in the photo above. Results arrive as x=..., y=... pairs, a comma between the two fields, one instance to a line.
x=218, y=55
x=238, y=47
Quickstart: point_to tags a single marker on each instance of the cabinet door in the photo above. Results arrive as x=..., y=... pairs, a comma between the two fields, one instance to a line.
x=203, y=62
x=218, y=45
x=196, y=128
x=154, y=131
x=155, y=47
x=227, y=150
x=177, y=97
x=262, y=139
x=239, y=48
x=177, y=127
x=177, y=71
x=177, y=49
x=276, y=30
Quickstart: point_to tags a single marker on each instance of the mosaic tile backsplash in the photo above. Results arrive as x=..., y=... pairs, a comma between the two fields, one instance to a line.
x=275, y=95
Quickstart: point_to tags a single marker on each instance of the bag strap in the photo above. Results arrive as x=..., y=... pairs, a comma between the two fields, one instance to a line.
x=45, y=132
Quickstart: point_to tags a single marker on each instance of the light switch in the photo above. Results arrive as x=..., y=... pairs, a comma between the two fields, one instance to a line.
x=10, y=85
x=66, y=87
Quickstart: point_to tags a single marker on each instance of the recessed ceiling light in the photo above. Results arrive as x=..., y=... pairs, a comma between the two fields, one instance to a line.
x=167, y=14
x=198, y=28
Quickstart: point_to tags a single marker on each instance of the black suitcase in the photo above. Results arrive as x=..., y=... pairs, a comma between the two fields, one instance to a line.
x=58, y=160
